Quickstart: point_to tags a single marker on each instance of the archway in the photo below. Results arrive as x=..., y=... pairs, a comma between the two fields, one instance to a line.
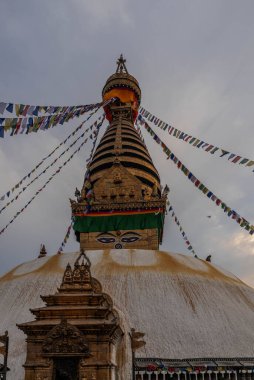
x=66, y=369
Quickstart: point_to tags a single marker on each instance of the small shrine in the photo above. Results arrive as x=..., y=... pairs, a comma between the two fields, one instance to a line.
x=77, y=334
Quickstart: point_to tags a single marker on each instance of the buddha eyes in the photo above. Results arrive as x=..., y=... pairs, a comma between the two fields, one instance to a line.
x=124, y=239
x=130, y=239
x=106, y=239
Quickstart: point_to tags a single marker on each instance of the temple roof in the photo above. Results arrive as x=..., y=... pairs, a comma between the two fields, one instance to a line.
x=190, y=308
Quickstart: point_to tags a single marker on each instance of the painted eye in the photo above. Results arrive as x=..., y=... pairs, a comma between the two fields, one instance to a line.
x=106, y=240
x=130, y=239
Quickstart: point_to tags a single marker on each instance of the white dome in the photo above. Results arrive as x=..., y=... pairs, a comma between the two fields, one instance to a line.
x=188, y=308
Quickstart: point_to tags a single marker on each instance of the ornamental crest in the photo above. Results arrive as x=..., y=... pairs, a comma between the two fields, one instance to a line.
x=65, y=339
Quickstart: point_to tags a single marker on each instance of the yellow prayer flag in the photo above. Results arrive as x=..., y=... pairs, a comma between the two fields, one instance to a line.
x=250, y=163
x=17, y=108
x=7, y=124
x=196, y=142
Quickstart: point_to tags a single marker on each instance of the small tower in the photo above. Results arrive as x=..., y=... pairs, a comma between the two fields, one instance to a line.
x=43, y=251
x=121, y=205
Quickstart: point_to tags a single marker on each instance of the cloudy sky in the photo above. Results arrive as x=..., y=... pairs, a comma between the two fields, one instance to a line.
x=194, y=60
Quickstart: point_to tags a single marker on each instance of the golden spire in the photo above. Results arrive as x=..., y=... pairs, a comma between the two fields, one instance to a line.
x=121, y=65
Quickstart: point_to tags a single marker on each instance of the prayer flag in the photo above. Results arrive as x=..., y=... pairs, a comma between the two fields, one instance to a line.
x=199, y=145
x=232, y=155
x=21, y=109
x=17, y=107
x=2, y=107
x=24, y=113
x=244, y=161
x=214, y=150
x=7, y=124
x=23, y=124
x=9, y=108
x=1, y=131
x=237, y=158
x=36, y=110
x=30, y=110
x=209, y=148
x=224, y=153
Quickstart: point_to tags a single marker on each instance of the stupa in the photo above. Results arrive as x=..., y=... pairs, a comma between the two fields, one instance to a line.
x=120, y=308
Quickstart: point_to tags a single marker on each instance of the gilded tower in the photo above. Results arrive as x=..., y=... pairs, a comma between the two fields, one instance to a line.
x=121, y=204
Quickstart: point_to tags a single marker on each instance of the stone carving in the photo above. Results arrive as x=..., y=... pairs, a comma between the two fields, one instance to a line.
x=67, y=278
x=97, y=288
x=80, y=276
x=65, y=339
x=117, y=177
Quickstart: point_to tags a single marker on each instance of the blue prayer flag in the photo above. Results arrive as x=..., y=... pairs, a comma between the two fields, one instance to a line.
x=9, y=108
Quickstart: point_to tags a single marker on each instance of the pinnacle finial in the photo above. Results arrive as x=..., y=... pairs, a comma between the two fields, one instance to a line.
x=121, y=65
x=84, y=257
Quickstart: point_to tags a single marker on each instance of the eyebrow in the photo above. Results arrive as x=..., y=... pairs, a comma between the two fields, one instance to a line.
x=130, y=233
x=106, y=233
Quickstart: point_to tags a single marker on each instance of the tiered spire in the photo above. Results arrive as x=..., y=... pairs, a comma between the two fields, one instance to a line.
x=121, y=205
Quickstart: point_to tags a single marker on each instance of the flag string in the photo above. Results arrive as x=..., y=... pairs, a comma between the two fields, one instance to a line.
x=14, y=188
x=171, y=210
x=139, y=131
x=50, y=165
x=196, y=182
x=18, y=125
x=46, y=183
x=96, y=133
x=185, y=238
x=25, y=109
x=196, y=142
x=67, y=235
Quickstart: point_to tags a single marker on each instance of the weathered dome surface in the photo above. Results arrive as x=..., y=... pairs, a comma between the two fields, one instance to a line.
x=188, y=308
